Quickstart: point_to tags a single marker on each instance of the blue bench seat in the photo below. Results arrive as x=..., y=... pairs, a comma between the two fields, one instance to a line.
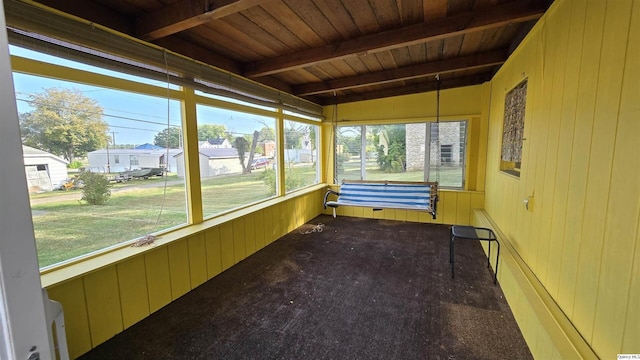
x=421, y=196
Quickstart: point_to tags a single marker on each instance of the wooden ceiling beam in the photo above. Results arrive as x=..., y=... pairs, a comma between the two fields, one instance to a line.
x=405, y=90
x=185, y=14
x=93, y=12
x=404, y=73
x=513, y=12
x=180, y=46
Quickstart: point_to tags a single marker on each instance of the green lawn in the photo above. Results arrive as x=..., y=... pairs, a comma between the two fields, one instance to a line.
x=66, y=229
x=447, y=176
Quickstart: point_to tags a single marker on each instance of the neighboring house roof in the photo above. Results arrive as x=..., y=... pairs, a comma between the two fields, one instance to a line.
x=218, y=141
x=154, y=153
x=148, y=146
x=30, y=152
x=216, y=153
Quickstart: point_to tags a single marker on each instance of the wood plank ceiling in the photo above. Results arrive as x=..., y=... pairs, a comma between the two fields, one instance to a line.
x=330, y=51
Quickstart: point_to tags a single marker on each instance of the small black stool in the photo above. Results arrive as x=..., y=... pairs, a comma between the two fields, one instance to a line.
x=473, y=233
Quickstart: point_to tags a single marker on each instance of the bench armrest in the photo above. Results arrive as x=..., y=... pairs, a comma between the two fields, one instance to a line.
x=326, y=196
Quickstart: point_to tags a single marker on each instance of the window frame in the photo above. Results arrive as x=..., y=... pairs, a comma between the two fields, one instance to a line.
x=188, y=99
x=428, y=138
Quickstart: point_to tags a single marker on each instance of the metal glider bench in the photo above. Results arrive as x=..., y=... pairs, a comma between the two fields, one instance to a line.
x=420, y=196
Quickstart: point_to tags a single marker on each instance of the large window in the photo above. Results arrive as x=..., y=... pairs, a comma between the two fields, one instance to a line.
x=83, y=129
x=237, y=153
x=400, y=152
x=104, y=151
x=300, y=154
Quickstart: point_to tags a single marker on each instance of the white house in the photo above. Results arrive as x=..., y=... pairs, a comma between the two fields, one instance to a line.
x=213, y=162
x=120, y=160
x=45, y=171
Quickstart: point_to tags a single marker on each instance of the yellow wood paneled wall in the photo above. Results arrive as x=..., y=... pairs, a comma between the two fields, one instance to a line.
x=103, y=303
x=580, y=168
x=454, y=207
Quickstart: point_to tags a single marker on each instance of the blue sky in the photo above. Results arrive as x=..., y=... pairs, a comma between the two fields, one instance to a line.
x=132, y=118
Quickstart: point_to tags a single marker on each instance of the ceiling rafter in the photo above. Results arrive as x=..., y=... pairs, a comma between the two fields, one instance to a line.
x=406, y=90
x=404, y=73
x=438, y=29
x=186, y=14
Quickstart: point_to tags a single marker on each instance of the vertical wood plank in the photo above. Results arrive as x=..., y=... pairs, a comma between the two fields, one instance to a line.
x=179, y=268
x=413, y=216
x=268, y=225
x=258, y=218
x=629, y=110
x=632, y=328
x=570, y=274
x=226, y=245
x=277, y=214
x=449, y=207
x=559, y=235
x=598, y=176
x=463, y=208
x=158, y=278
x=358, y=212
x=76, y=319
x=134, y=297
x=214, y=253
x=197, y=259
x=103, y=304
x=401, y=215
x=250, y=234
x=556, y=25
x=239, y=245
x=623, y=211
x=291, y=216
x=477, y=200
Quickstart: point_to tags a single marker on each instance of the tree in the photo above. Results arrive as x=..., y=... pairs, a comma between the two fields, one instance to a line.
x=64, y=122
x=242, y=146
x=211, y=131
x=267, y=133
x=168, y=138
x=394, y=157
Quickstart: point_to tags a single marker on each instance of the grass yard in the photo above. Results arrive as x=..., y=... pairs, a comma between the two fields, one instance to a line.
x=65, y=228
x=449, y=176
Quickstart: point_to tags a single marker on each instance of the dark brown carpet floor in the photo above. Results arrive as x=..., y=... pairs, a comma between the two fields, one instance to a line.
x=361, y=289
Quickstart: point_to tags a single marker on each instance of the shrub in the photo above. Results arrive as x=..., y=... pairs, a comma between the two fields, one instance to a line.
x=96, y=188
x=75, y=164
x=293, y=180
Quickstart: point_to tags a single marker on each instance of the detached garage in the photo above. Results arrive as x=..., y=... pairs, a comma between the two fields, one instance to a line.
x=45, y=171
x=213, y=162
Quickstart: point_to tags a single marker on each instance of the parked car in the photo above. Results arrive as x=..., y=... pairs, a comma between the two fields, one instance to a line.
x=259, y=163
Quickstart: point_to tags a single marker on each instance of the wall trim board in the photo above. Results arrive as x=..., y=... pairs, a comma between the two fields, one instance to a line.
x=555, y=325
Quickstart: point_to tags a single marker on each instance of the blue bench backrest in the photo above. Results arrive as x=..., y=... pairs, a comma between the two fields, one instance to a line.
x=386, y=195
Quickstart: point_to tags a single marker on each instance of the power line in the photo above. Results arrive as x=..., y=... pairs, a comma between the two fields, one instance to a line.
x=103, y=114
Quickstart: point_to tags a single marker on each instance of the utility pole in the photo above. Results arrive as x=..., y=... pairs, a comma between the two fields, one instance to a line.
x=108, y=161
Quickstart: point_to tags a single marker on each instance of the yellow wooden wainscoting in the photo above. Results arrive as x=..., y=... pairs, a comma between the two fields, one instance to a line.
x=547, y=331
x=104, y=300
x=580, y=235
